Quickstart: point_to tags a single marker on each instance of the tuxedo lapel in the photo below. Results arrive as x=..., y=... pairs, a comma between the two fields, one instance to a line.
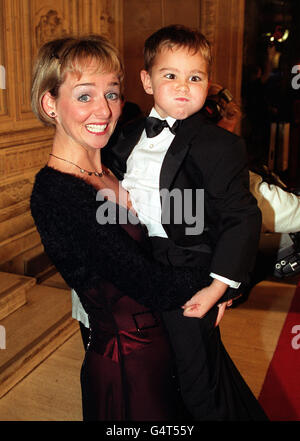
x=173, y=160
x=178, y=150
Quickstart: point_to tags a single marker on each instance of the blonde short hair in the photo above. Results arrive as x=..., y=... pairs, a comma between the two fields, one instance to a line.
x=58, y=57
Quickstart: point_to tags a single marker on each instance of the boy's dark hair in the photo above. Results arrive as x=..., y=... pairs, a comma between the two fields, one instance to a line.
x=176, y=36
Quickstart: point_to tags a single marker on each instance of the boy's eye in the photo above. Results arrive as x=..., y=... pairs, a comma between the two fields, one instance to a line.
x=84, y=98
x=195, y=78
x=170, y=76
x=113, y=96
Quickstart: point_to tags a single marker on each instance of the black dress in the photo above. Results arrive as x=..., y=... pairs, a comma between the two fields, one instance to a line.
x=128, y=372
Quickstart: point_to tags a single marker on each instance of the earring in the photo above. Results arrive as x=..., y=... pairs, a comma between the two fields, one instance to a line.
x=52, y=114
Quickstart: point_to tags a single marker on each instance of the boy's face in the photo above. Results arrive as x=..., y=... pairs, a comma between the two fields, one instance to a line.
x=178, y=82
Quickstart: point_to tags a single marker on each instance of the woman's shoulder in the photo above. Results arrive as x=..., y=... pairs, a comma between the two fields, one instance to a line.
x=56, y=188
x=57, y=177
x=52, y=181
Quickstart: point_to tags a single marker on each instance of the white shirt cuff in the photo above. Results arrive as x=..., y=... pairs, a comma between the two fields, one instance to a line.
x=229, y=282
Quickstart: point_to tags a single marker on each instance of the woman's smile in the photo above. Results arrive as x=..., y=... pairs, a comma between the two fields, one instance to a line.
x=97, y=128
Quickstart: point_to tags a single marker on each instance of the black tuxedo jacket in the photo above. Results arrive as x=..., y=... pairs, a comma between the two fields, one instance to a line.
x=203, y=156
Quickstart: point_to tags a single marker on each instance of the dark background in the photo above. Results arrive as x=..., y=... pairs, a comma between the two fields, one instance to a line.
x=267, y=93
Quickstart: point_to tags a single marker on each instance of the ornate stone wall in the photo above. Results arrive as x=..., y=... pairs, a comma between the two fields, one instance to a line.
x=222, y=21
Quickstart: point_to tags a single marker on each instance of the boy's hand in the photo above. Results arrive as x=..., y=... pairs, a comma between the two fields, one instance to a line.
x=205, y=299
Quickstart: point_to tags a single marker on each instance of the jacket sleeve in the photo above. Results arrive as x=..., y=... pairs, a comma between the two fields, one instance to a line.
x=226, y=184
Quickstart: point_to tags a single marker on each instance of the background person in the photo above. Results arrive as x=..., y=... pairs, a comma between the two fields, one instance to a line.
x=280, y=207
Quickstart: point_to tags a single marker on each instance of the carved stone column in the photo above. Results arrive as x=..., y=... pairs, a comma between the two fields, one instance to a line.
x=222, y=22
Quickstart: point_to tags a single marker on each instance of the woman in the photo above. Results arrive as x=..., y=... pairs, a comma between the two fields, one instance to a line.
x=127, y=371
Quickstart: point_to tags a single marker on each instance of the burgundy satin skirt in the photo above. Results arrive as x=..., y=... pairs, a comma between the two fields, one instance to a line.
x=128, y=373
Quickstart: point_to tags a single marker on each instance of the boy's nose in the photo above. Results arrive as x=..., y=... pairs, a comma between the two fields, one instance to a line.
x=183, y=85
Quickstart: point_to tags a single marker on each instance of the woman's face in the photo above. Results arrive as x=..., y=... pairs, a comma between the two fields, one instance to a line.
x=87, y=108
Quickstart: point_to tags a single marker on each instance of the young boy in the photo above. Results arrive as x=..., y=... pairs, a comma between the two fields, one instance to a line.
x=186, y=155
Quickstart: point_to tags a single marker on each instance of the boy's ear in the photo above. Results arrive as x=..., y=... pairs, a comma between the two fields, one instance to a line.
x=49, y=104
x=147, y=83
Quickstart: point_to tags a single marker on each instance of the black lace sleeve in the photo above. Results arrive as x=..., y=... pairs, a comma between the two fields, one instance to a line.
x=86, y=253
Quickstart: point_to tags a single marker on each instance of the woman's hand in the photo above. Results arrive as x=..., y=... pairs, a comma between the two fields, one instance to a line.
x=222, y=308
x=205, y=299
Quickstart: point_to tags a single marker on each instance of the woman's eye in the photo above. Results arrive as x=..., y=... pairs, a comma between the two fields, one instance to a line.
x=170, y=76
x=195, y=78
x=84, y=98
x=113, y=96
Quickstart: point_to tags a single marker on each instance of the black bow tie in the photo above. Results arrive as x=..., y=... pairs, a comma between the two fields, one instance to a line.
x=154, y=126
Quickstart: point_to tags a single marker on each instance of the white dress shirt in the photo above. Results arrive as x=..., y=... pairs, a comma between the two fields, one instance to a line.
x=141, y=180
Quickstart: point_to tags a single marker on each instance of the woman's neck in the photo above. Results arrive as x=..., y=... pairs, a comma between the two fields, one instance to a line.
x=65, y=156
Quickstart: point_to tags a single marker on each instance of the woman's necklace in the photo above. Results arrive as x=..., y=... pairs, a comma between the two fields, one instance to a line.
x=90, y=173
